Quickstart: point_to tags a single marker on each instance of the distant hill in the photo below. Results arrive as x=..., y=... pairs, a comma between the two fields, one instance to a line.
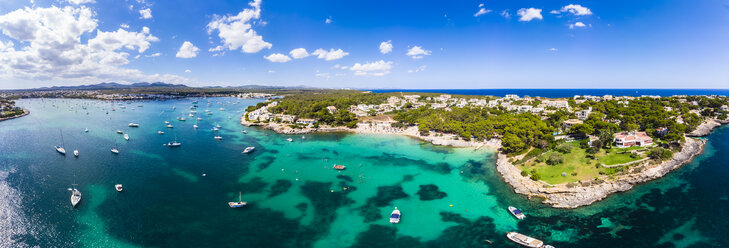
x=112, y=85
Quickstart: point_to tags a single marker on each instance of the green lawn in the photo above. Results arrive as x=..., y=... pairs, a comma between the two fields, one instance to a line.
x=576, y=162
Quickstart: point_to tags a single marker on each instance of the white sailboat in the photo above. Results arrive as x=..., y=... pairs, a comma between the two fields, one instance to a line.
x=75, y=195
x=238, y=204
x=60, y=149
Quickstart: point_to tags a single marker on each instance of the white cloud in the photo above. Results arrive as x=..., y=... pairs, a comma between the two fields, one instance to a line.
x=124, y=26
x=277, y=58
x=555, y=12
x=299, y=53
x=553, y=49
x=271, y=71
x=236, y=31
x=419, y=69
x=79, y=2
x=417, y=52
x=328, y=20
x=52, y=49
x=386, y=47
x=577, y=25
x=188, y=71
x=505, y=14
x=187, y=50
x=529, y=14
x=330, y=55
x=482, y=11
x=480, y=5
x=145, y=13
x=153, y=55
x=576, y=9
x=379, y=68
x=322, y=75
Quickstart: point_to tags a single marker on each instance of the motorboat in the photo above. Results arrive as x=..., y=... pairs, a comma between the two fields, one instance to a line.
x=75, y=153
x=118, y=187
x=395, y=216
x=339, y=167
x=249, y=149
x=114, y=150
x=517, y=213
x=174, y=144
x=218, y=137
x=290, y=140
x=169, y=126
x=160, y=132
x=194, y=126
x=524, y=240
x=119, y=131
x=126, y=136
x=132, y=124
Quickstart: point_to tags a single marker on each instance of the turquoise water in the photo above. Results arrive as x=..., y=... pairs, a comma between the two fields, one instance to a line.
x=448, y=197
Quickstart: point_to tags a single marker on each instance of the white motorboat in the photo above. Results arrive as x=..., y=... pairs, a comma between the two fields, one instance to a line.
x=132, y=124
x=174, y=144
x=194, y=126
x=160, y=132
x=199, y=118
x=217, y=137
x=75, y=153
x=114, y=150
x=181, y=118
x=517, y=213
x=118, y=187
x=126, y=137
x=249, y=149
x=244, y=131
x=237, y=204
x=119, y=131
x=395, y=216
x=167, y=122
x=169, y=126
x=290, y=140
x=524, y=240
x=86, y=130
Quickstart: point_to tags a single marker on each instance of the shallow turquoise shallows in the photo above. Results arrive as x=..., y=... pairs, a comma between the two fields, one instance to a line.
x=178, y=196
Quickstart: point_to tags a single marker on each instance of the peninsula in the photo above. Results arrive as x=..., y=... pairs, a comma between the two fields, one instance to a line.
x=570, y=152
x=8, y=110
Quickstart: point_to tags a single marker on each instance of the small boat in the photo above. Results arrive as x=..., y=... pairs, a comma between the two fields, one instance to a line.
x=61, y=150
x=86, y=130
x=218, y=126
x=114, y=150
x=218, y=137
x=174, y=144
x=126, y=136
x=303, y=137
x=524, y=240
x=237, y=204
x=119, y=131
x=517, y=213
x=194, y=126
x=167, y=122
x=395, y=216
x=160, y=132
x=215, y=129
x=290, y=140
x=221, y=109
x=75, y=153
x=132, y=124
x=190, y=115
x=169, y=126
x=244, y=131
x=181, y=118
x=118, y=187
x=199, y=118
x=248, y=149
x=75, y=196
x=339, y=167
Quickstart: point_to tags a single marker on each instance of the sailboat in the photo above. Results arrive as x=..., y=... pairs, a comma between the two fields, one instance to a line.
x=75, y=195
x=237, y=204
x=174, y=143
x=60, y=148
x=218, y=137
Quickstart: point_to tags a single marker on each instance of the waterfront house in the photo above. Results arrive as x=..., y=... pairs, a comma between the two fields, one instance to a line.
x=628, y=139
x=306, y=121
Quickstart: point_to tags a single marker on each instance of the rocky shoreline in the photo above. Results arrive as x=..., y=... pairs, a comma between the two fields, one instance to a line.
x=706, y=127
x=557, y=196
x=586, y=193
x=25, y=112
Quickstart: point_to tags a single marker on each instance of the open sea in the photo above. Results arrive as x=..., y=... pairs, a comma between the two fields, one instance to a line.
x=449, y=197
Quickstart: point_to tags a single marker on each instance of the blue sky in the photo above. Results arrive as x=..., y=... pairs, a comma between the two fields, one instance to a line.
x=458, y=44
